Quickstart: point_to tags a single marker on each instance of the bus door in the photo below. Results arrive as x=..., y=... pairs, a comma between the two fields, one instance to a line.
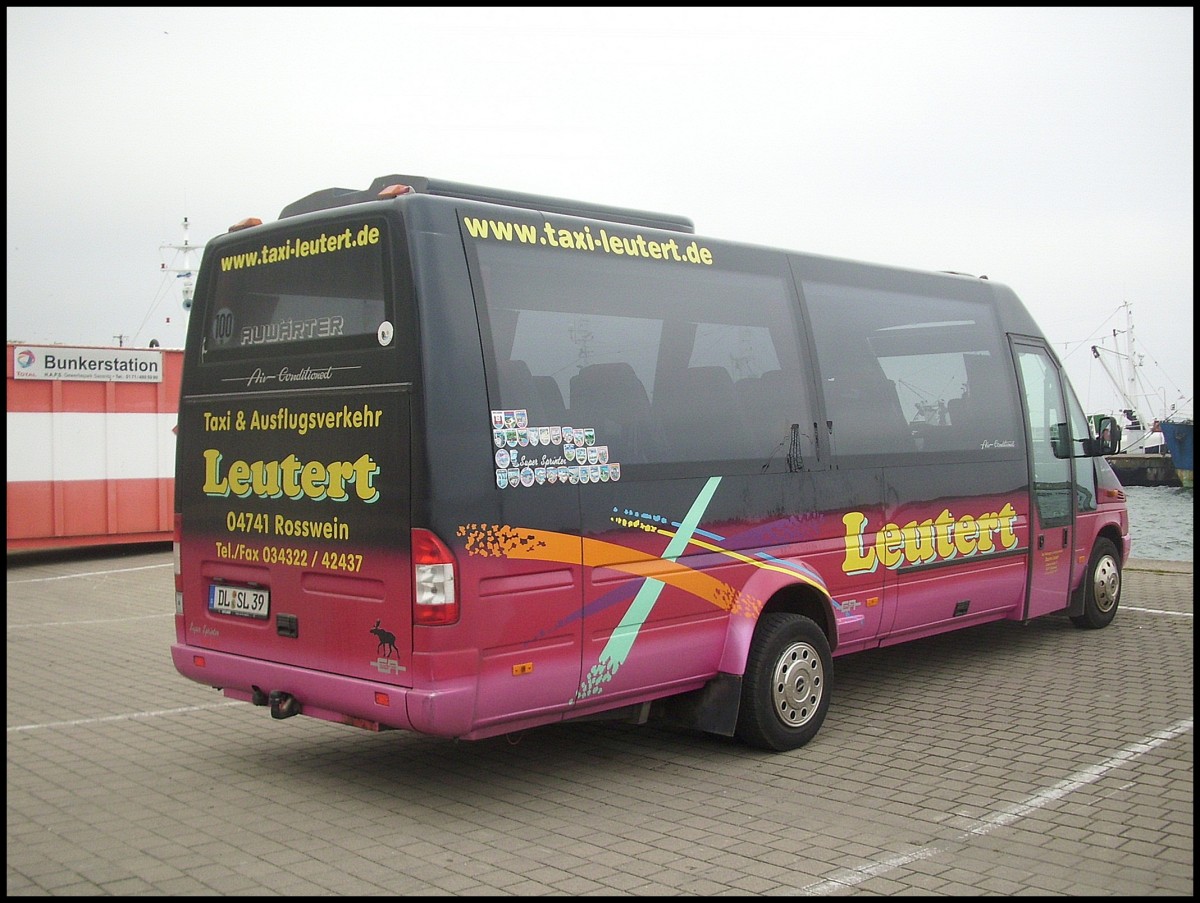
x=1052, y=517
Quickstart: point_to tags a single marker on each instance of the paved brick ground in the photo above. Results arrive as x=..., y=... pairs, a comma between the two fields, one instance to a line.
x=1005, y=760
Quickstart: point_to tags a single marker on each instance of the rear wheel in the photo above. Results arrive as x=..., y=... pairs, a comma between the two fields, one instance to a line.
x=788, y=681
x=1102, y=590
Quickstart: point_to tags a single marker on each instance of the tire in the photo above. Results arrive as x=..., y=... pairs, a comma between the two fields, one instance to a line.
x=1102, y=590
x=787, y=685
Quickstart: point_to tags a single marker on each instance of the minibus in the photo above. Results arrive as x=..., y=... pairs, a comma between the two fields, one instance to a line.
x=467, y=461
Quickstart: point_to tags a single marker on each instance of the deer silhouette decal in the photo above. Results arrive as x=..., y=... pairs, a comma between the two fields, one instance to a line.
x=387, y=640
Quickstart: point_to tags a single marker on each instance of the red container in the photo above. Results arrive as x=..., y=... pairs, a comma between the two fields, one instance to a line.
x=91, y=445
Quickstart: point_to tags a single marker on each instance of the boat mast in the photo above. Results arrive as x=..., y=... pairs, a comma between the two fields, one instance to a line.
x=187, y=271
x=1129, y=386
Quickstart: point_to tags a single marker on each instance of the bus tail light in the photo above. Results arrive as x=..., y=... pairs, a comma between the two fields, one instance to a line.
x=178, y=563
x=435, y=599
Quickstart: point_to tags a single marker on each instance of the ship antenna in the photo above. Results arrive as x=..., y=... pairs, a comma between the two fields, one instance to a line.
x=186, y=272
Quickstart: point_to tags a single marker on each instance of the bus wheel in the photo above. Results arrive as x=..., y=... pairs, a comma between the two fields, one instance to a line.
x=1103, y=587
x=788, y=682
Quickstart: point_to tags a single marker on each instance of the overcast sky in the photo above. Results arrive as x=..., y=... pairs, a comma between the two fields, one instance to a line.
x=1051, y=149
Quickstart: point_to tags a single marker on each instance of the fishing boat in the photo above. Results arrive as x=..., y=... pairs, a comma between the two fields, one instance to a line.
x=1140, y=434
x=1142, y=457
x=1178, y=437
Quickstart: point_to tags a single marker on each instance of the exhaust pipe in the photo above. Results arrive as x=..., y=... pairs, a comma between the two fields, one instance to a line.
x=283, y=705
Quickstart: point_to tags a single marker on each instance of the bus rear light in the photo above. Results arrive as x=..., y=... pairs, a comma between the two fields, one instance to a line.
x=175, y=554
x=382, y=698
x=393, y=191
x=435, y=599
x=198, y=661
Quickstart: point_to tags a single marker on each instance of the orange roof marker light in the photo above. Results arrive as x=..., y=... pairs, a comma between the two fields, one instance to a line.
x=248, y=223
x=396, y=190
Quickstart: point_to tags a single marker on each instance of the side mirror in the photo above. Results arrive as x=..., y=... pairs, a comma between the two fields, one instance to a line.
x=1109, y=436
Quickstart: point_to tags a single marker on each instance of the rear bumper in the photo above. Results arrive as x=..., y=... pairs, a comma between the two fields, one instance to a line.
x=446, y=712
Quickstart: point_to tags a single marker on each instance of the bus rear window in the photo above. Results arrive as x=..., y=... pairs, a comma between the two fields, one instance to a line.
x=317, y=284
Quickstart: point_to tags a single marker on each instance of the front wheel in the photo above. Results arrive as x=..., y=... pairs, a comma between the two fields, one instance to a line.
x=788, y=682
x=1102, y=589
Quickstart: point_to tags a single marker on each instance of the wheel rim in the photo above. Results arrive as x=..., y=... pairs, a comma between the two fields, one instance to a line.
x=799, y=684
x=1106, y=583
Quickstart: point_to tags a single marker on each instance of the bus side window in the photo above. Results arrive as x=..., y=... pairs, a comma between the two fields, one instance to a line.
x=866, y=413
x=538, y=395
x=770, y=404
x=550, y=398
x=516, y=385
x=699, y=417
x=612, y=400
x=968, y=423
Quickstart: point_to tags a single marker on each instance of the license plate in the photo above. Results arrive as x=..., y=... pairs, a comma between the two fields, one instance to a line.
x=239, y=600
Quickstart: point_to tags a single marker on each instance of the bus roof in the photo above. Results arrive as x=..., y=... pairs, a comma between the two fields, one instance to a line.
x=340, y=197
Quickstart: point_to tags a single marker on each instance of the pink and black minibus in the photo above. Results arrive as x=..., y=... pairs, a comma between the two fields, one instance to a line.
x=467, y=461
